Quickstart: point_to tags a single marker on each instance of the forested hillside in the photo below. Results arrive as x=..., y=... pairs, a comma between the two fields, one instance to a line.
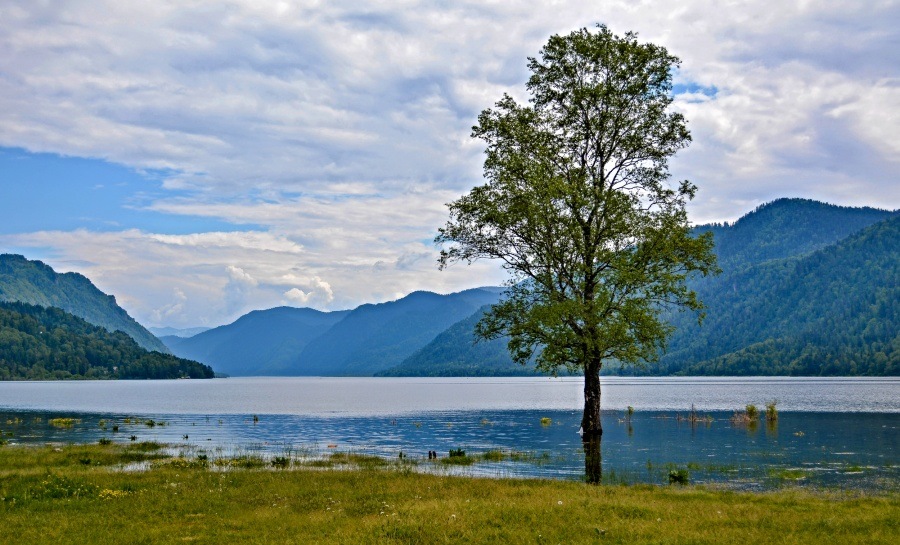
x=787, y=228
x=35, y=283
x=38, y=343
x=833, y=312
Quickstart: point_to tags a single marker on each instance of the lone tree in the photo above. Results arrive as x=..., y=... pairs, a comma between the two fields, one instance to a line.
x=578, y=208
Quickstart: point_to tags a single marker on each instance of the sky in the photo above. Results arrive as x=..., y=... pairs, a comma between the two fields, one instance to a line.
x=199, y=160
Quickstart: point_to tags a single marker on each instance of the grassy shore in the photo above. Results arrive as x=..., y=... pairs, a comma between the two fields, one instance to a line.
x=138, y=494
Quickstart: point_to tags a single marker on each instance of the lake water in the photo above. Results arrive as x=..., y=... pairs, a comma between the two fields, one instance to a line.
x=831, y=432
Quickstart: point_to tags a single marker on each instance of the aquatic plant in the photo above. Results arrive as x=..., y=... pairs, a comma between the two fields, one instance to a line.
x=546, y=421
x=105, y=441
x=771, y=411
x=63, y=422
x=752, y=412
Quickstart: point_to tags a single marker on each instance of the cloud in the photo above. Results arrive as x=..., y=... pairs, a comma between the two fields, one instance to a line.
x=330, y=135
x=319, y=292
x=170, y=311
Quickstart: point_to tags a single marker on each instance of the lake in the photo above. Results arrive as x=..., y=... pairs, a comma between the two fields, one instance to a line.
x=832, y=432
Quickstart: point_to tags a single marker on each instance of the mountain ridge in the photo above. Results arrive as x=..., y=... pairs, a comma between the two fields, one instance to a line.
x=36, y=283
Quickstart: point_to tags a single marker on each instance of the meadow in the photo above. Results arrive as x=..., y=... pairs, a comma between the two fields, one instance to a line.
x=145, y=493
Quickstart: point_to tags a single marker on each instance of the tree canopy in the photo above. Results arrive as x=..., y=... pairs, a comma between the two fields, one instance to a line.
x=578, y=207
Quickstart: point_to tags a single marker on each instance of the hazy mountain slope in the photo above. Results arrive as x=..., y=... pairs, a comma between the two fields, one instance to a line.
x=454, y=353
x=262, y=342
x=184, y=333
x=375, y=337
x=763, y=248
x=38, y=343
x=35, y=283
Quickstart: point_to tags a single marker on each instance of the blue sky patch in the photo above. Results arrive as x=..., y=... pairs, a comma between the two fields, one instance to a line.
x=49, y=192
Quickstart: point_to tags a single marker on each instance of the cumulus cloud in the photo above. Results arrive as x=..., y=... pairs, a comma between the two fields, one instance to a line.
x=330, y=135
x=319, y=291
x=170, y=311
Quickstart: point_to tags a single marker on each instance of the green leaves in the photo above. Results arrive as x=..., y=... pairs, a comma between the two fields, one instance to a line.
x=578, y=208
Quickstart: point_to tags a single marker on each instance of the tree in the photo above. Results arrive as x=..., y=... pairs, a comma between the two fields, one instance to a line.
x=578, y=207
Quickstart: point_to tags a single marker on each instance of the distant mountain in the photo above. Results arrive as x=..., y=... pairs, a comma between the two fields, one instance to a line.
x=454, y=353
x=38, y=343
x=375, y=337
x=35, y=283
x=263, y=342
x=774, y=294
x=183, y=333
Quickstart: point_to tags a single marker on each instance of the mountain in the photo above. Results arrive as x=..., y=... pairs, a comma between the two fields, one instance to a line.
x=35, y=283
x=263, y=342
x=161, y=332
x=835, y=311
x=454, y=353
x=38, y=343
x=372, y=338
x=792, y=269
x=786, y=228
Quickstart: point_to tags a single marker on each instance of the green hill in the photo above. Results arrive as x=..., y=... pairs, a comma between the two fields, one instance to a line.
x=35, y=283
x=38, y=343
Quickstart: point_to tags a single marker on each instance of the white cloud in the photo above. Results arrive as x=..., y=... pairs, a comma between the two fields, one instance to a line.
x=331, y=134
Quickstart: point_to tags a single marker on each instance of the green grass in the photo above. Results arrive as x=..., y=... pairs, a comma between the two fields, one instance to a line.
x=48, y=496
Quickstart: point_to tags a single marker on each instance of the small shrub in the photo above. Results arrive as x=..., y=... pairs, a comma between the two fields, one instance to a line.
x=679, y=476
x=772, y=411
x=546, y=421
x=457, y=453
x=105, y=441
x=280, y=462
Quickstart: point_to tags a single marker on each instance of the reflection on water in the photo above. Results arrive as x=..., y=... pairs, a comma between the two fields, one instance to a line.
x=846, y=450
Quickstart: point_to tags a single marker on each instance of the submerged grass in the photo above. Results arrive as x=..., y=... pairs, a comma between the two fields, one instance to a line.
x=48, y=496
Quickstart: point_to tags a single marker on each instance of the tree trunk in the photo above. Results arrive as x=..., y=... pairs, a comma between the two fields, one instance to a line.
x=590, y=423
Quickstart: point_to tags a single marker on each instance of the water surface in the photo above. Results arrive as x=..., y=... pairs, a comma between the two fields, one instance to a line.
x=839, y=433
